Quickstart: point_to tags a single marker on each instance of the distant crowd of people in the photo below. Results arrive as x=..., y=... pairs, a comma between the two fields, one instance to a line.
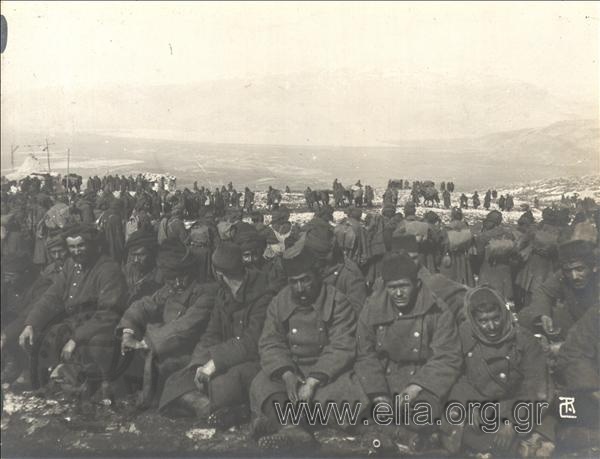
x=210, y=308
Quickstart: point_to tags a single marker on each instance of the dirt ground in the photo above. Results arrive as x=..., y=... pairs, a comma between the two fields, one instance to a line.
x=33, y=426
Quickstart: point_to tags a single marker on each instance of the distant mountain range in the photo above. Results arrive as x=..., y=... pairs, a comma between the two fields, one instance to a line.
x=335, y=108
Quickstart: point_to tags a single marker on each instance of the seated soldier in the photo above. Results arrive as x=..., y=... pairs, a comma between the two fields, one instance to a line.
x=253, y=245
x=140, y=267
x=408, y=347
x=164, y=326
x=214, y=384
x=336, y=270
x=578, y=368
x=565, y=296
x=447, y=290
x=504, y=364
x=19, y=292
x=306, y=351
x=74, y=320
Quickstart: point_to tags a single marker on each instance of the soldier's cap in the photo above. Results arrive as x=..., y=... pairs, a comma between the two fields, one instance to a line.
x=320, y=240
x=56, y=240
x=354, y=212
x=431, y=217
x=174, y=259
x=398, y=266
x=280, y=215
x=227, y=258
x=456, y=213
x=140, y=238
x=495, y=216
x=325, y=212
x=248, y=238
x=298, y=259
x=87, y=231
x=405, y=243
x=578, y=250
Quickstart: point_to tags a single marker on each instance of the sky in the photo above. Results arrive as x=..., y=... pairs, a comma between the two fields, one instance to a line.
x=92, y=44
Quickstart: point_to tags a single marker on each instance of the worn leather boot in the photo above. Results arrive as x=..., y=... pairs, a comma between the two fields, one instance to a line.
x=224, y=418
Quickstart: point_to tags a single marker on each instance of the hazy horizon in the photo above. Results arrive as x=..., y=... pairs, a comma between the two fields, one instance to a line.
x=296, y=74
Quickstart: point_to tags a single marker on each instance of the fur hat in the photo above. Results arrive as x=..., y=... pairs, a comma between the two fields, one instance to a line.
x=298, y=259
x=228, y=258
x=398, y=266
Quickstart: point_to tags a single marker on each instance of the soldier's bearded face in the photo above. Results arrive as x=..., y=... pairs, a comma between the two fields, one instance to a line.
x=401, y=292
x=58, y=255
x=80, y=250
x=490, y=323
x=180, y=282
x=577, y=274
x=141, y=258
x=305, y=287
x=250, y=257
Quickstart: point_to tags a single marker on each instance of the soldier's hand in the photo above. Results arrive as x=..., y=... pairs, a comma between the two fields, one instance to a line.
x=26, y=337
x=504, y=437
x=412, y=391
x=446, y=261
x=382, y=399
x=67, y=350
x=291, y=385
x=307, y=390
x=201, y=378
x=129, y=343
x=547, y=325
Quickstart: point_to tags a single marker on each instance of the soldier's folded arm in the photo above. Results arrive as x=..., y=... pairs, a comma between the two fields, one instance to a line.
x=368, y=367
x=340, y=353
x=273, y=347
x=245, y=347
x=442, y=369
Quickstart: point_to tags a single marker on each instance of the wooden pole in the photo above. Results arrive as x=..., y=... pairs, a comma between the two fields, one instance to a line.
x=68, y=174
x=48, y=154
x=13, y=149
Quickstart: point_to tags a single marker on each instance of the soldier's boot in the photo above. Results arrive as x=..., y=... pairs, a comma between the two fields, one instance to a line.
x=288, y=438
x=535, y=446
x=226, y=417
x=198, y=403
x=262, y=426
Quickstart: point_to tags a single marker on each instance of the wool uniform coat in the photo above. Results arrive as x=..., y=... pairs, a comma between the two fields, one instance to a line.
x=555, y=298
x=348, y=279
x=171, y=321
x=396, y=348
x=317, y=340
x=507, y=373
x=231, y=341
x=578, y=367
x=83, y=304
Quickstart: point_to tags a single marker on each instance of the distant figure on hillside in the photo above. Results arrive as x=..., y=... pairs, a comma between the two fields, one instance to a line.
x=447, y=199
x=510, y=203
x=502, y=202
x=476, y=201
x=464, y=201
x=487, y=200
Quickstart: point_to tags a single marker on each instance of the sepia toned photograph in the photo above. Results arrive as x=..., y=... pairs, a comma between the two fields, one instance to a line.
x=300, y=229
